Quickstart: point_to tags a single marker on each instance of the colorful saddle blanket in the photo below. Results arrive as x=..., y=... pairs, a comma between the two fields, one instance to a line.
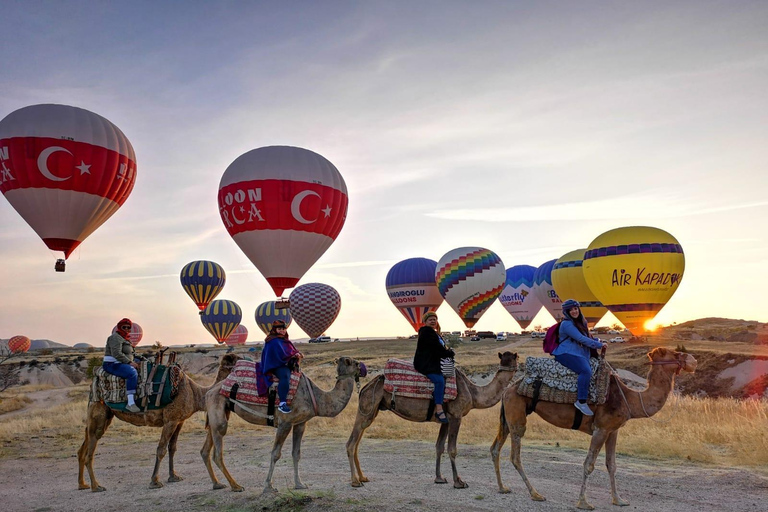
x=251, y=387
x=559, y=384
x=111, y=388
x=401, y=379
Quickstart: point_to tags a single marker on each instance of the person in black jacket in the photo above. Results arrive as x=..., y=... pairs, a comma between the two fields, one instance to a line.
x=430, y=348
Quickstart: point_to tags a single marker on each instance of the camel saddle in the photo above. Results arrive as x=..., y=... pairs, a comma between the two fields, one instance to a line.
x=111, y=389
x=250, y=384
x=402, y=379
x=549, y=381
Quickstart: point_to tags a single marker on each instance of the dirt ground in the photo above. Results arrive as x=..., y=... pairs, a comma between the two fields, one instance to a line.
x=401, y=472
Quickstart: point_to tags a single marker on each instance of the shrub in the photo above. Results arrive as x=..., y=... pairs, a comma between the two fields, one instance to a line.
x=93, y=363
x=45, y=352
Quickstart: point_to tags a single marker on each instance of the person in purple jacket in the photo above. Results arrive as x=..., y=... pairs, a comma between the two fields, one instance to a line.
x=573, y=350
x=278, y=358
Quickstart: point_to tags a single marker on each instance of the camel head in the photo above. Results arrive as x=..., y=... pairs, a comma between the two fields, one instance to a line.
x=226, y=365
x=508, y=361
x=348, y=367
x=665, y=356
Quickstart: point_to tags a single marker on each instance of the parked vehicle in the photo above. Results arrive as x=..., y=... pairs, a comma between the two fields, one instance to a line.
x=536, y=334
x=474, y=338
x=486, y=334
x=618, y=339
x=320, y=339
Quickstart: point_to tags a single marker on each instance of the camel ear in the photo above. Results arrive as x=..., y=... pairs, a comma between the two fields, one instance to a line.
x=347, y=361
x=499, y=355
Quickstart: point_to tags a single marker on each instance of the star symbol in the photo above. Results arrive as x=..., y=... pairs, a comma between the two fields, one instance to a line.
x=327, y=211
x=84, y=169
x=242, y=209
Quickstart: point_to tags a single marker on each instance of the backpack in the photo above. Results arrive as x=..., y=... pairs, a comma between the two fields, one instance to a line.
x=552, y=338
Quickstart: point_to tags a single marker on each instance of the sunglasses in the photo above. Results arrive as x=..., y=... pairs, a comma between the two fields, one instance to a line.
x=125, y=327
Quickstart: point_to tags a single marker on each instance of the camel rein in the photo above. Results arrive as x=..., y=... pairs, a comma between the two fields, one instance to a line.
x=640, y=395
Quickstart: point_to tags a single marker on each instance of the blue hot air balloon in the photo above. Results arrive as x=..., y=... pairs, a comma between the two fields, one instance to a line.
x=542, y=285
x=202, y=280
x=518, y=297
x=221, y=317
x=412, y=289
x=267, y=312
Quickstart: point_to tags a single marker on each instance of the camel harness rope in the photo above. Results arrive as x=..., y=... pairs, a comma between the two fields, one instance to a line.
x=642, y=405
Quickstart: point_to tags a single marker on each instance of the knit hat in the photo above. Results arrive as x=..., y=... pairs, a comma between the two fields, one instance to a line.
x=570, y=304
x=278, y=323
x=124, y=321
x=426, y=316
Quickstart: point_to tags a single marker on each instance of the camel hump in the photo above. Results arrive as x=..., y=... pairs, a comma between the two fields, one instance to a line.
x=553, y=382
x=401, y=379
x=157, y=386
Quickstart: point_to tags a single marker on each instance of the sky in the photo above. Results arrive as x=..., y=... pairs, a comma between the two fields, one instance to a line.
x=528, y=128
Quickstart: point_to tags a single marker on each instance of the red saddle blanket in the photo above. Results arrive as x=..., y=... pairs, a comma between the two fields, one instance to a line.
x=245, y=375
x=402, y=379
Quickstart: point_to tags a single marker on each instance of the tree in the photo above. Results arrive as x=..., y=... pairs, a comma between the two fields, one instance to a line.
x=9, y=372
x=617, y=327
x=537, y=328
x=157, y=345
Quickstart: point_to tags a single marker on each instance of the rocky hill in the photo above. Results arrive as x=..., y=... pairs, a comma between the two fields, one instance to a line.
x=720, y=329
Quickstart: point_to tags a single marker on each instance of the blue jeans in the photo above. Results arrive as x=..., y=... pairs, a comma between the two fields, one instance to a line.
x=581, y=366
x=125, y=371
x=439, y=381
x=284, y=382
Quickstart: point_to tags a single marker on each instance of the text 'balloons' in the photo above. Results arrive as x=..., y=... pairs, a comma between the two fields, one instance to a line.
x=518, y=297
x=412, y=289
x=569, y=283
x=470, y=279
x=283, y=206
x=314, y=307
x=542, y=286
x=267, y=312
x=135, y=335
x=221, y=317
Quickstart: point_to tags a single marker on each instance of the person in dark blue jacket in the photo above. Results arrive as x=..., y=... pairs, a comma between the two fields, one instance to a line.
x=573, y=350
x=277, y=358
x=430, y=348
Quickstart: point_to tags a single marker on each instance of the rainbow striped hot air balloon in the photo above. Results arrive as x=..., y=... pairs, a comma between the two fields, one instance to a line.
x=267, y=312
x=135, y=335
x=220, y=318
x=634, y=271
x=412, y=289
x=315, y=306
x=518, y=297
x=203, y=281
x=542, y=286
x=470, y=279
x=569, y=283
x=19, y=344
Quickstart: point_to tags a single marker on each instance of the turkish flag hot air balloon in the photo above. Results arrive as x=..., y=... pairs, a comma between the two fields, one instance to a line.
x=569, y=283
x=315, y=306
x=470, y=279
x=284, y=206
x=267, y=312
x=203, y=281
x=238, y=337
x=19, y=344
x=634, y=271
x=221, y=317
x=518, y=297
x=542, y=286
x=412, y=289
x=135, y=335
x=65, y=170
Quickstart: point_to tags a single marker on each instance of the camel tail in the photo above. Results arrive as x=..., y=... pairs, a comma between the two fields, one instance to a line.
x=503, y=431
x=207, y=426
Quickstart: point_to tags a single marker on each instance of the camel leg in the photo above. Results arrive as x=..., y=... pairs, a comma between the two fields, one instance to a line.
x=362, y=422
x=598, y=439
x=453, y=435
x=98, y=421
x=172, y=476
x=298, y=433
x=217, y=428
x=610, y=463
x=162, y=447
x=442, y=435
x=205, y=453
x=498, y=444
x=518, y=431
x=282, y=433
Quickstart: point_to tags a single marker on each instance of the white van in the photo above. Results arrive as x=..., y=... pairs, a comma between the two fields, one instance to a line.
x=501, y=337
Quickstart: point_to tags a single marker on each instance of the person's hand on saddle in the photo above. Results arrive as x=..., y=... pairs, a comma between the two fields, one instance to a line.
x=134, y=364
x=451, y=352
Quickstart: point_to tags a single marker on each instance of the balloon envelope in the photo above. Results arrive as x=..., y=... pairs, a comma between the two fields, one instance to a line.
x=634, y=271
x=238, y=337
x=65, y=170
x=412, y=289
x=314, y=306
x=470, y=279
x=203, y=281
x=135, y=335
x=569, y=283
x=544, y=290
x=284, y=206
x=19, y=344
x=267, y=312
x=518, y=297
x=220, y=318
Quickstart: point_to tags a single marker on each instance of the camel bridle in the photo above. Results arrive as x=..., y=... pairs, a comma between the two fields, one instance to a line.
x=679, y=361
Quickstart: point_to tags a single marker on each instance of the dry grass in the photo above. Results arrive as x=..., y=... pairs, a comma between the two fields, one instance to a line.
x=13, y=403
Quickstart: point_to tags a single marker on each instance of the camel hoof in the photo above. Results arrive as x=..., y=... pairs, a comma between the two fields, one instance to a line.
x=301, y=486
x=364, y=479
x=504, y=490
x=620, y=502
x=537, y=497
x=98, y=488
x=156, y=485
x=80, y=487
x=440, y=480
x=238, y=488
x=356, y=484
x=269, y=490
x=583, y=505
x=218, y=486
x=460, y=484
x=175, y=478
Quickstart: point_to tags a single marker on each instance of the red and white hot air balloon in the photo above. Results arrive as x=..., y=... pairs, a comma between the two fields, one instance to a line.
x=284, y=206
x=135, y=335
x=19, y=344
x=314, y=307
x=65, y=170
x=238, y=337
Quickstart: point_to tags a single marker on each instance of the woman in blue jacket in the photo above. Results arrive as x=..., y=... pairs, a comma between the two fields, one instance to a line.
x=573, y=350
x=278, y=357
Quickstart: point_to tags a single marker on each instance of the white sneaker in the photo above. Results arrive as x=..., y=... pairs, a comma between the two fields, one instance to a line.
x=584, y=408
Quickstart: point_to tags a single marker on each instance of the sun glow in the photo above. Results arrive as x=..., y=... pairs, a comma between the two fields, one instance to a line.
x=651, y=325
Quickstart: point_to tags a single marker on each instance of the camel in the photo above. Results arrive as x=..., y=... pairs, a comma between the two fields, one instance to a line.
x=469, y=396
x=189, y=400
x=309, y=401
x=621, y=405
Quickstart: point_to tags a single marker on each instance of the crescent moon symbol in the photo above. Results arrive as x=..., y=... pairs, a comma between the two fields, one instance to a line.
x=296, y=205
x=42, y=162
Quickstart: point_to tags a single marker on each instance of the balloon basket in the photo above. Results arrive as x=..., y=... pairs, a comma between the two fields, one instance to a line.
x=282, y=303
x=60, y=266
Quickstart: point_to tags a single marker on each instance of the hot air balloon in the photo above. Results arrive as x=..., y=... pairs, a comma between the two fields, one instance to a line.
x=518, y=297
x=470, y=279
x=19, y=344
x=569, y=283
x=412, y=289
x=135, y=335
x=315, y=306
x=542, y=287
x=221, y=317
x=268, y=312
x=203, y=281
x=634, y=271
x=238, y=337
x=65, y=170
x=283, y=206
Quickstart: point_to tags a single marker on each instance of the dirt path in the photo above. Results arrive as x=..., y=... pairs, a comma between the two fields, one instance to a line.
x=401, y=473
x=42, y=400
